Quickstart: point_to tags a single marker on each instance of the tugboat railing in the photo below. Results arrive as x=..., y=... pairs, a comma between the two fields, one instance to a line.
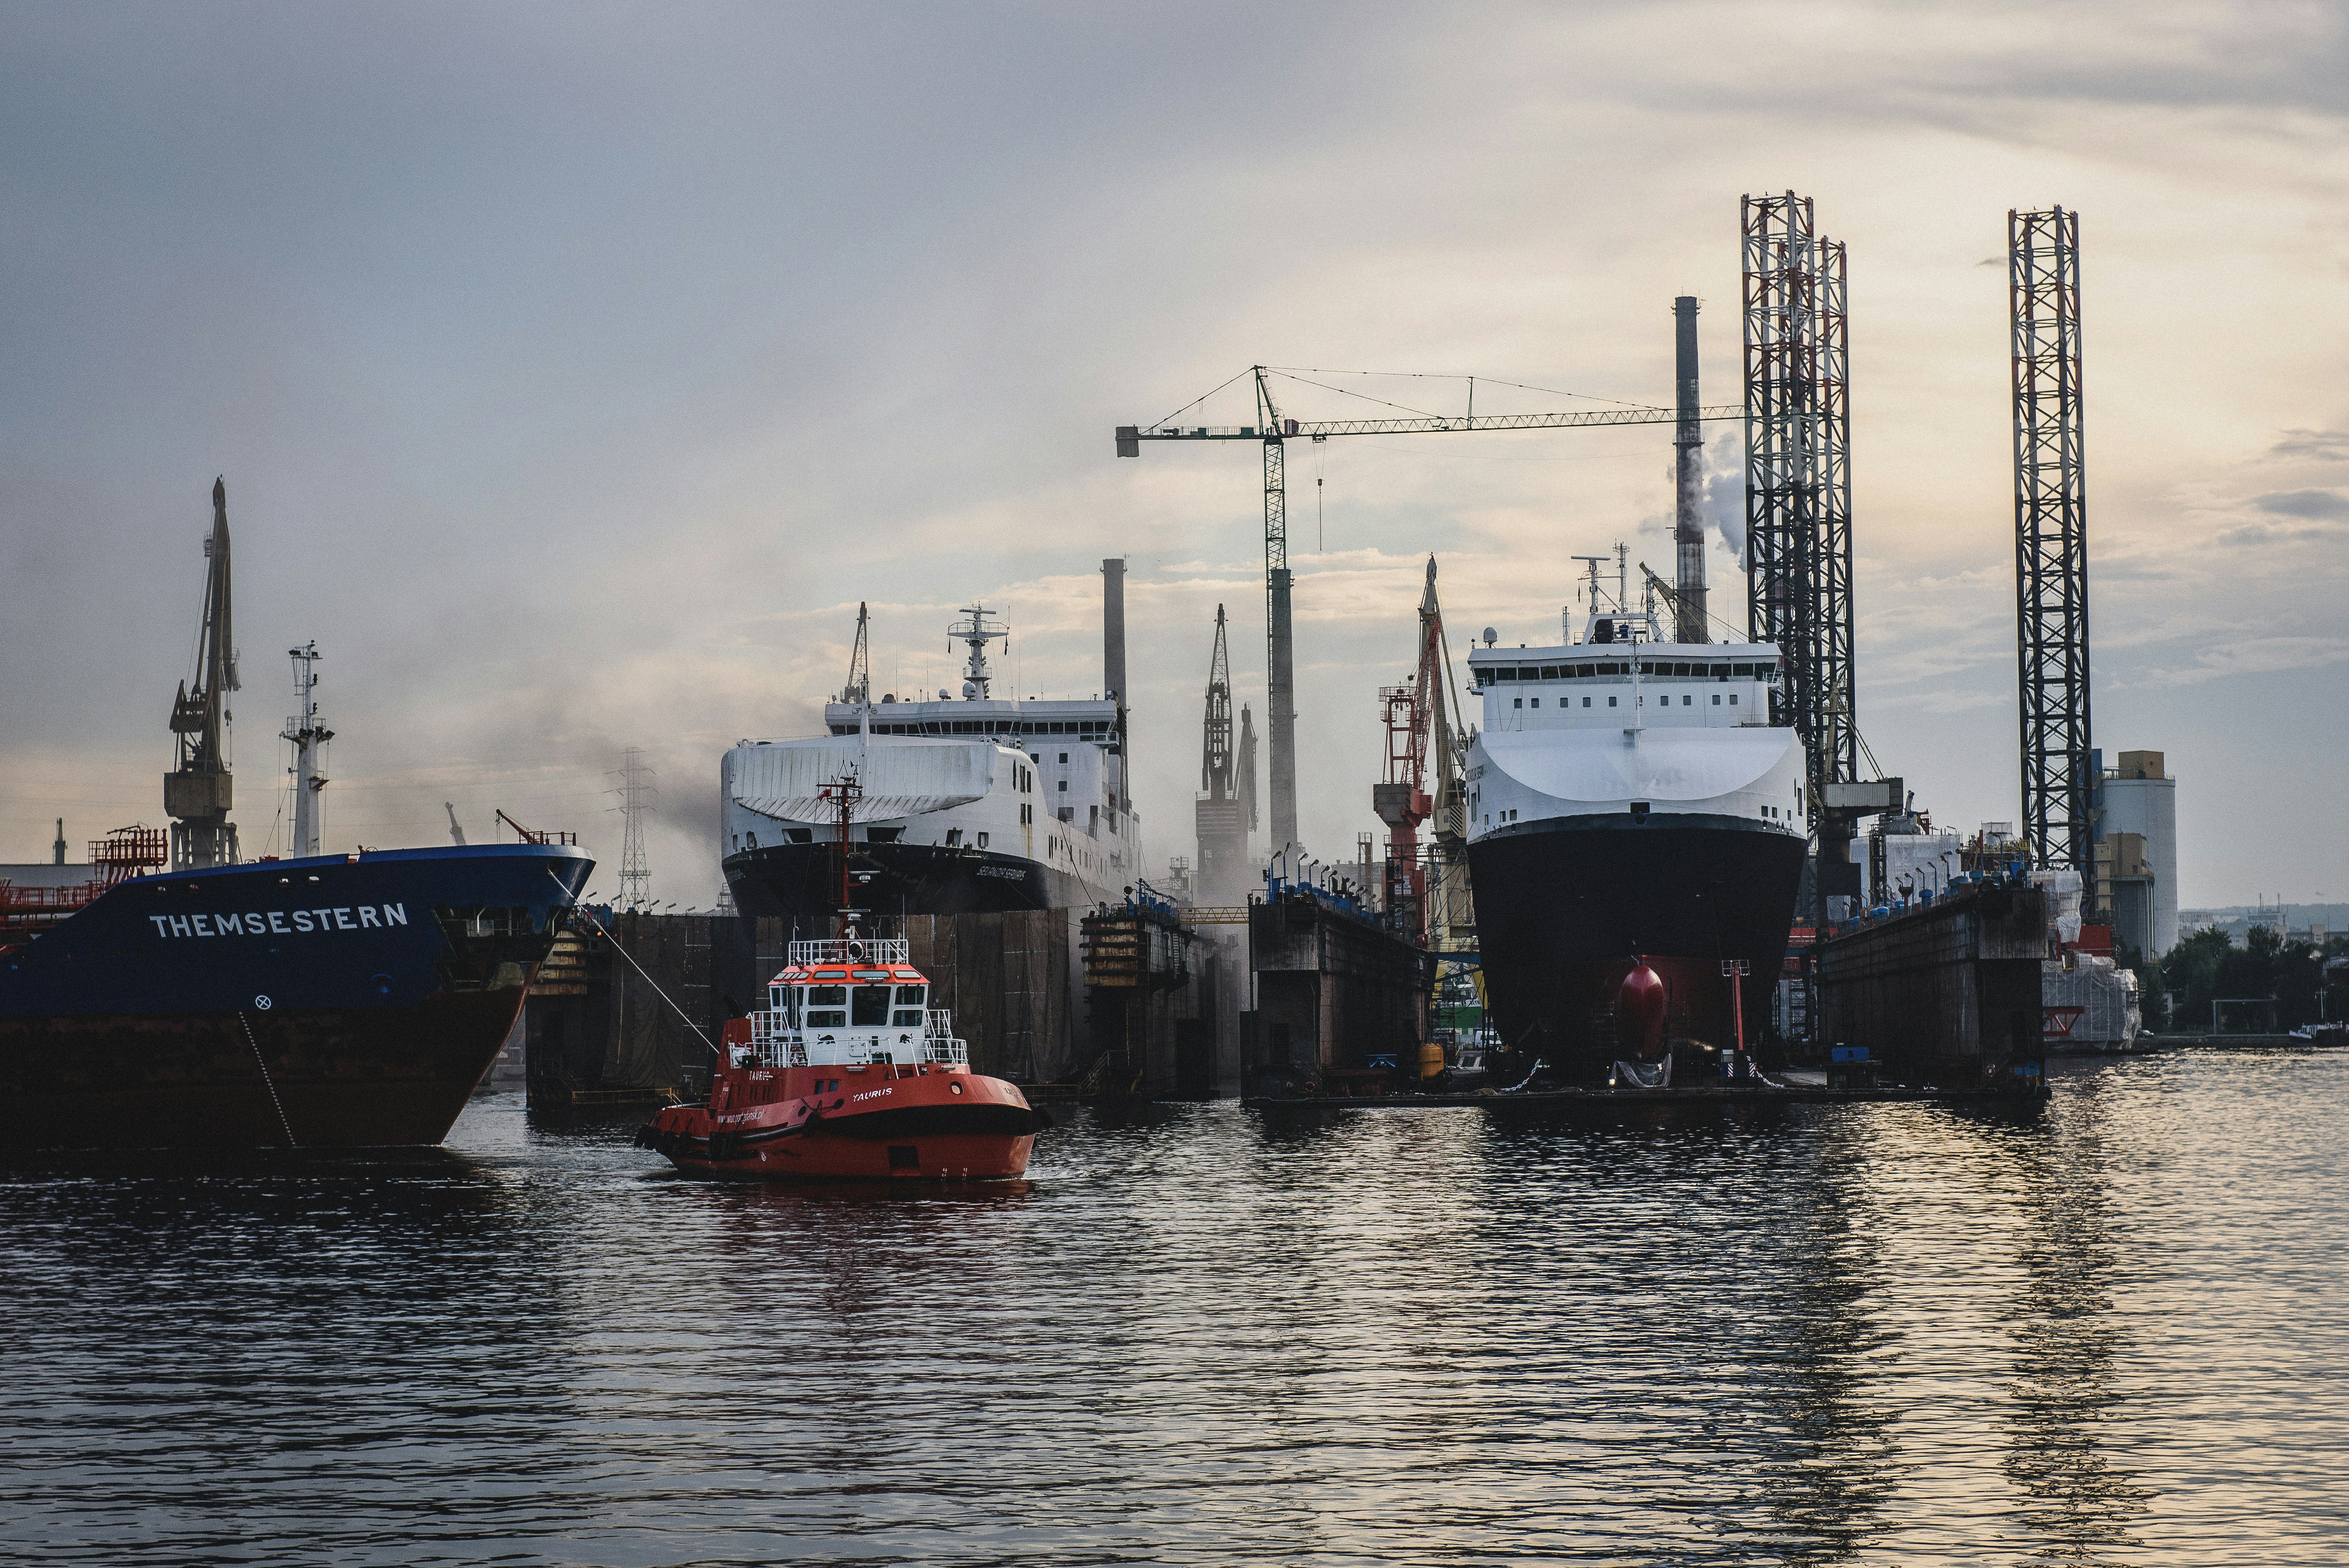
x=851, y=950
x=775, y=1045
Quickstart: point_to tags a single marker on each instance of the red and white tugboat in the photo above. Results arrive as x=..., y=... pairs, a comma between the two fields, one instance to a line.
x=849, y=1073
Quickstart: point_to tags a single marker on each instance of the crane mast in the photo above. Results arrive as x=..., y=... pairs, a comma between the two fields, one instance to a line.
x=859, y=688
x=1222, y=816
x=1272, y=430
x=199, y=793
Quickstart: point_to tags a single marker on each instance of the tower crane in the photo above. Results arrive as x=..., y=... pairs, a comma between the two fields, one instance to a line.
x=1272, y=430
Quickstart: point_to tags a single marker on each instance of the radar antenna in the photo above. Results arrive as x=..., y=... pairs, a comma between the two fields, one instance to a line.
x=975, y=632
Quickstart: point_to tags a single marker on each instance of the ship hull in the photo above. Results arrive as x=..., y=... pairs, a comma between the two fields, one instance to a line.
x=802, y=880
x=330, y=1002
x=905, y=1125
x=1566, y=907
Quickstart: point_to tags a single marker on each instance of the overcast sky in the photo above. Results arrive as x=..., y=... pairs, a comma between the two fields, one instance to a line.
x=575, y=370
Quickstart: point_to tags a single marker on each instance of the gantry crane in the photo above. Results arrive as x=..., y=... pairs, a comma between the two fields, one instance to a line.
x=1273, y=431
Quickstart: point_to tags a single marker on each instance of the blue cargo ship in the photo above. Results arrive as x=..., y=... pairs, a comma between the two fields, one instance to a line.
x=333, y=1000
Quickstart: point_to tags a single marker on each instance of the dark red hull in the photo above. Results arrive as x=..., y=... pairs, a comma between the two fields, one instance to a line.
x=874, y=1123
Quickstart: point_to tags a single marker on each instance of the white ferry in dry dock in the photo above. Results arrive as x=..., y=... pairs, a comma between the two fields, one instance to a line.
x=1630, y=801
x=976, y=804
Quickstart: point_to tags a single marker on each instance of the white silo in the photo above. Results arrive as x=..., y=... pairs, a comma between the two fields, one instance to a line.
x=2140, y=798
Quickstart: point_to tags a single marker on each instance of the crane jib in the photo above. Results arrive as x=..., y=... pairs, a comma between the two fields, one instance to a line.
x=1129, y=436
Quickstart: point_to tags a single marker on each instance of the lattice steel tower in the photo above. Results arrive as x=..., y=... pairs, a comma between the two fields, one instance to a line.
x=636, y=794
x=2051, y=537
x=1832, y=614
x=1799, y=477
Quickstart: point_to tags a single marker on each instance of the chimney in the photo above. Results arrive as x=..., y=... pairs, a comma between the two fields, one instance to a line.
x=1688, y=476
x=1114, y=638
x=60, y=845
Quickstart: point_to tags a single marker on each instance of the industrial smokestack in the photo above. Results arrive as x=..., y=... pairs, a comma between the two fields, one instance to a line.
x=1114, y=638
x=1688, y=456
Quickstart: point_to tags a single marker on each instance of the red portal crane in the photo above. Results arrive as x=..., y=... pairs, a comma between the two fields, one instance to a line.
x=1414, y=714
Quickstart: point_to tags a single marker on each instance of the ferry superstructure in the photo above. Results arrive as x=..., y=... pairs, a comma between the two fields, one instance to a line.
x=977, y=804
x=1630, y=800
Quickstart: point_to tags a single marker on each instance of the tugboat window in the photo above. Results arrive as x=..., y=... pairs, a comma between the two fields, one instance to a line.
x=871, y=1006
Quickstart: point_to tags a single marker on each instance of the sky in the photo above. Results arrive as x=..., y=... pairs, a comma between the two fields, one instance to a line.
x=576, y=371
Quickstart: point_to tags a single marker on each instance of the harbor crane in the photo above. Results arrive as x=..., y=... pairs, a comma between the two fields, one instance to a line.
x=1272, y=432
x=200, y=793
x=1420, y=738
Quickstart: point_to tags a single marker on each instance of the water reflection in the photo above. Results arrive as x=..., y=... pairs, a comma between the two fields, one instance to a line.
x=2067, y=1332
x=1879, y=1333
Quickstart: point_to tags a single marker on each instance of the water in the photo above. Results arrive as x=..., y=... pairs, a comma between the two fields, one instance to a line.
x=1880, y=1333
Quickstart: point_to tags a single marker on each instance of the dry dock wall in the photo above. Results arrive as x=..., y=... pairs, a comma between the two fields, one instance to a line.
x=1947, y=995
x=1332, y=990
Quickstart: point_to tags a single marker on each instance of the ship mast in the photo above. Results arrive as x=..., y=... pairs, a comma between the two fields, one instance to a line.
x=844, y=792
x=309, y=737
x=976, y=633
x=199, y=792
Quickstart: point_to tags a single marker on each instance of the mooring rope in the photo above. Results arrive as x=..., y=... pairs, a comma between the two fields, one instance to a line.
x=268, y=1082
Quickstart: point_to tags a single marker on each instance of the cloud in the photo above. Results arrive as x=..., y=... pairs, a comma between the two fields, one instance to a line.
x=2252, y=655
x=2308, y=503
x=2326, y=446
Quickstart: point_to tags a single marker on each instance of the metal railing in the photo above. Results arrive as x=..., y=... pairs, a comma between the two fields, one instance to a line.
x=775, y=1044
x=851, y=950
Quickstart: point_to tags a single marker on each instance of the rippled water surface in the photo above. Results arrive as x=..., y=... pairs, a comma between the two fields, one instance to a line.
x=2113, y=1334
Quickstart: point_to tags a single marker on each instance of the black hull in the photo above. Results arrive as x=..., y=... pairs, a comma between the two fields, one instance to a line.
x=1565, y=908
x=802, y=880
x=368, y=992
x=344, y=1079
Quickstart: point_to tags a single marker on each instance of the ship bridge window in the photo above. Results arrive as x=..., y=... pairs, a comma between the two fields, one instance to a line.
x=827, y=1006
x=796, y=835
x=870, y=1008
x=1550, y=671
x=1721, y=671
